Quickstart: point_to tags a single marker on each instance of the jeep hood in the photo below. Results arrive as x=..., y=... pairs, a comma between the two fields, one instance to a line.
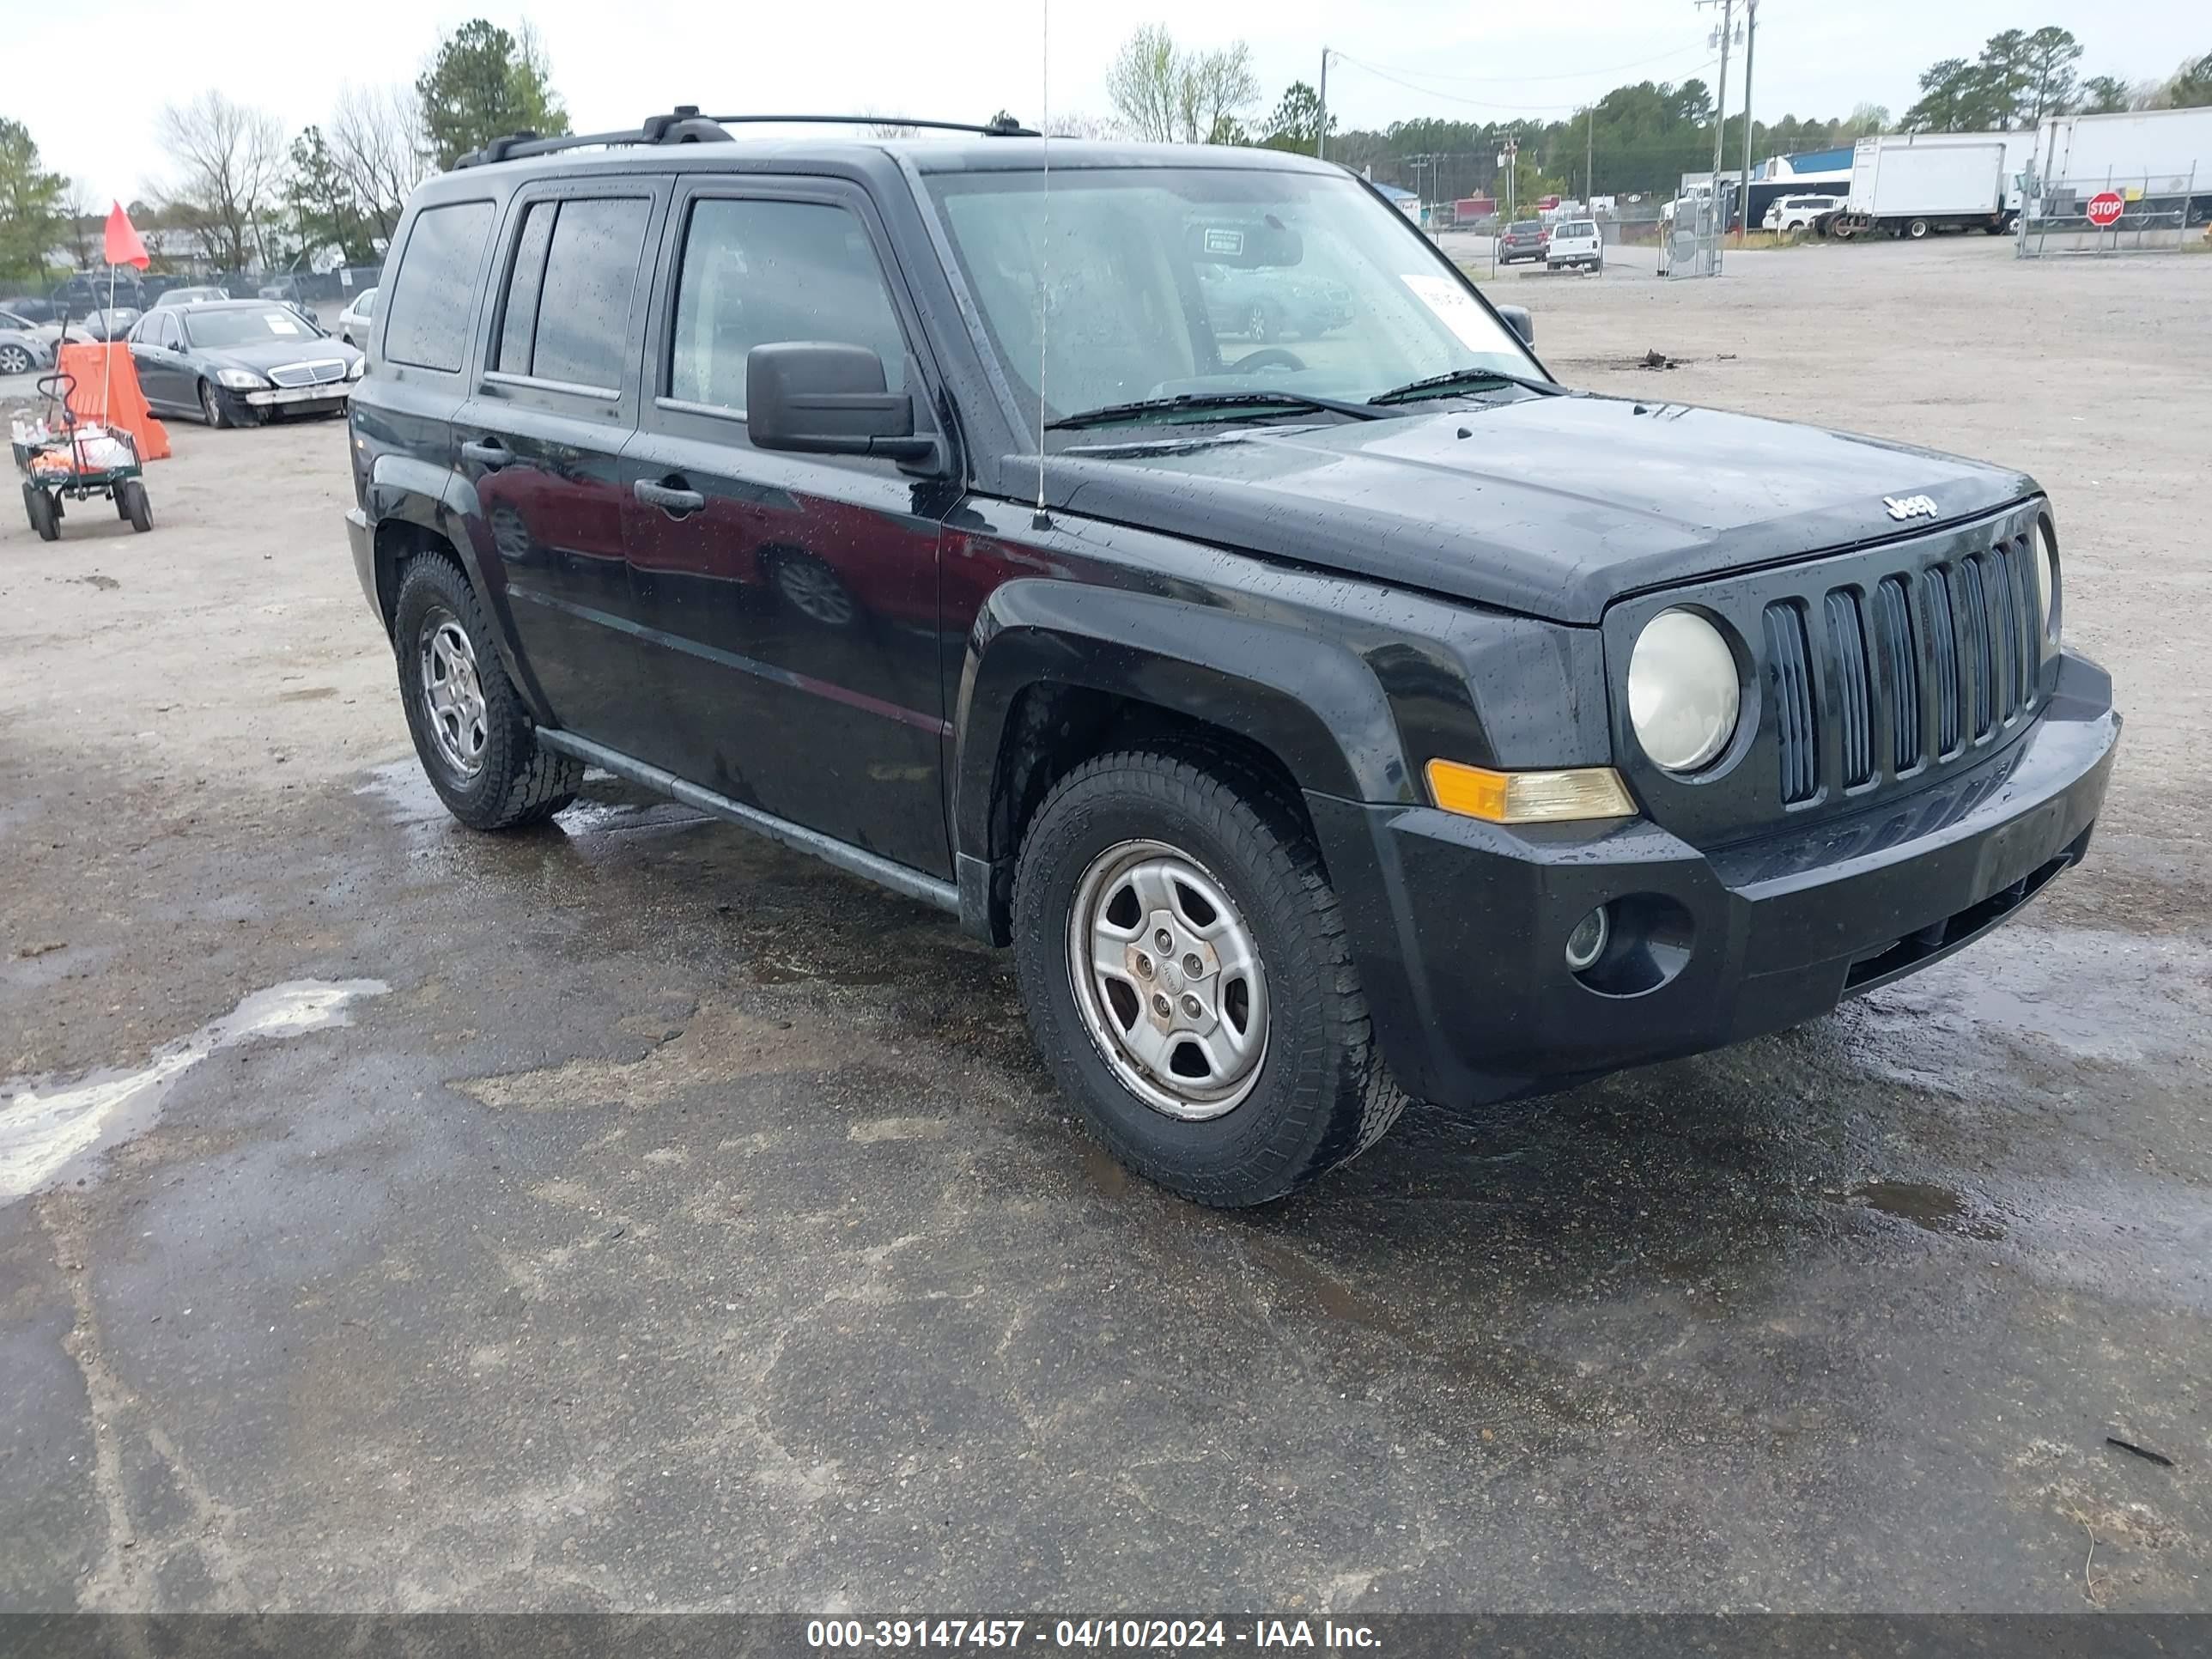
x=1551, y=506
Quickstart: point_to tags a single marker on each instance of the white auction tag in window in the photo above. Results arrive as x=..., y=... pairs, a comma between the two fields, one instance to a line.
x=281, y=324
x=1458, y=309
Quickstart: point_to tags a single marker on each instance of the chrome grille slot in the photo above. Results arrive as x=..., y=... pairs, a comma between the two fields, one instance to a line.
x=1978, y=680
x=1854, y=701
x=1789, y=668
x=1943, y=647
x=1893, y=610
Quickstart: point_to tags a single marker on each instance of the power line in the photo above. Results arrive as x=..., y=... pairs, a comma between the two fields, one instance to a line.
x=1341, y=57
x=1571, y=75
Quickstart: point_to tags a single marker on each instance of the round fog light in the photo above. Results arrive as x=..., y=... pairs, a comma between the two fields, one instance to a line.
x=1586, y=942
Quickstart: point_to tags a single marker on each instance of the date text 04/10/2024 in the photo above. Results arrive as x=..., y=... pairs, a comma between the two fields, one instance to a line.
x=1147, y=1635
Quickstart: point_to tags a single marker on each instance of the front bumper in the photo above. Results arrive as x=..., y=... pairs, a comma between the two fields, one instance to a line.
x=363, y=540
x=1460, y=925
x=330, y=394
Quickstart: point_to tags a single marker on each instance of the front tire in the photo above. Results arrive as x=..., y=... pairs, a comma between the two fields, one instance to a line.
x=1238, y=1064
x=215, y=407
x=476, y=742
x=131, y=505
x=15, y=360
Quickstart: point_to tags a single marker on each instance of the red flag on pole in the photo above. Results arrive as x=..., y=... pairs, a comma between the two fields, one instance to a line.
x=123, y=247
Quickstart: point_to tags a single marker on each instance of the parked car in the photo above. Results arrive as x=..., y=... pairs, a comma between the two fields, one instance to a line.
x=1267, y=306
x=1320, y=727
x=51, y=333
x=237, y=362
x=191, y=296
x=22, y=350
x=88, y=291
x=287, y=292
x=355, y=321
x=1524, y=238
x=1575, y=245
x=1788, y=213
x=107, y=324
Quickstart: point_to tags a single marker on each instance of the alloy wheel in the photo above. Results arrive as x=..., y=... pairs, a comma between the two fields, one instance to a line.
x=1167, y=976
x=453, y=692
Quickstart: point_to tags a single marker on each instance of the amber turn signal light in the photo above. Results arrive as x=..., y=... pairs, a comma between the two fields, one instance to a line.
x=1476, y=792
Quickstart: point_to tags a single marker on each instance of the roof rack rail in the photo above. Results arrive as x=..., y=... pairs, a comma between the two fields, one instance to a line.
x=684, y=125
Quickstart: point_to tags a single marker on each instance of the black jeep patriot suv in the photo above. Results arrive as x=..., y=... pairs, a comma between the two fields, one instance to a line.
x=1321, y=722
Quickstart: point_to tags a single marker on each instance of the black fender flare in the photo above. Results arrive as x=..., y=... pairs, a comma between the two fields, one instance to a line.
x=405, y=489
x=1312, y=702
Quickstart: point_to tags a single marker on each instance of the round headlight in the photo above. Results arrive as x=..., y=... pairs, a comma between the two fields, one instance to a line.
x=2046, y=580
x=1682, y=692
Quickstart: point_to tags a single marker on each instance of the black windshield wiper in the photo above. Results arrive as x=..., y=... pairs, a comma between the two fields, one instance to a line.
x=1465, y=380
x=1200, y=402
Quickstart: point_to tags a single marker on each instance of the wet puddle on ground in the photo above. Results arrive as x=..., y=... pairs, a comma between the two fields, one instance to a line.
x=45, y=1129
x=1931, y=1208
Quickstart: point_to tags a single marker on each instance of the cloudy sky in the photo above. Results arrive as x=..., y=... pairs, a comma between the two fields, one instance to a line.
x=615, y=60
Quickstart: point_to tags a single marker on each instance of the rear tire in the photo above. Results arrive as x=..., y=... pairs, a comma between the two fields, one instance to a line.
x=1317, y=1093
x=487, y=766
x=130, y=503
x=44, y=511
x=1917, y=230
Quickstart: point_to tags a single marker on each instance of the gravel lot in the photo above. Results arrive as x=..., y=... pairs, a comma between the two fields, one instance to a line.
x=683, y=1224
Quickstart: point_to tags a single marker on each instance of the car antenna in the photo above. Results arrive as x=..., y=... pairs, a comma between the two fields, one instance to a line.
x=1041, y=519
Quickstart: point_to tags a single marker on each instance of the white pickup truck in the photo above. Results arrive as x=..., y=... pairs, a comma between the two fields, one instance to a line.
x=1575, y=245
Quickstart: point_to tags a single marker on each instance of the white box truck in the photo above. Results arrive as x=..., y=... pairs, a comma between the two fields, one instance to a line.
x=1914, y=184
x=2159, y=158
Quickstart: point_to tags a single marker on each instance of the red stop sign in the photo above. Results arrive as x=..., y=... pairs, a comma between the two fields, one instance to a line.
x=2105, y=208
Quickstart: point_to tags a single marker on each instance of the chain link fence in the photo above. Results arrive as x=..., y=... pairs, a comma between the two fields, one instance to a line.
x=1691, y=245
x=2158, y=213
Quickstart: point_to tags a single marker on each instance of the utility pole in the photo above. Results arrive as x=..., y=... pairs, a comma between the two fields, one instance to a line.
x=1750, y=47
x=1321, y=136
x=1589, y=156
x=1720, y=120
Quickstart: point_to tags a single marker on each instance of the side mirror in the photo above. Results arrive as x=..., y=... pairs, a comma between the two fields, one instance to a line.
x=818, y=398
x=1518, y=320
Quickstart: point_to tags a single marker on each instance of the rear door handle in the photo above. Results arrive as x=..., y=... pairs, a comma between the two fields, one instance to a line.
x=671, y=499
x=490, y=455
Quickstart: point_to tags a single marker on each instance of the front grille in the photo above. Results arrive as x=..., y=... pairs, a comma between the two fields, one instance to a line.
x=1790, y=664
x=1900, y=664
x=1953, y=661
x=313, y=374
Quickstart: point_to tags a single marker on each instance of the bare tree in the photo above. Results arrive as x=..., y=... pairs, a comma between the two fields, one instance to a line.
x=230, y=163
x=375, y=137
x=1164, y=95
x=1216, y=88
x=1145, y=85
x=79, y=215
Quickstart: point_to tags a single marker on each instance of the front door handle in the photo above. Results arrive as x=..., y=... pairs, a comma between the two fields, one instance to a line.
x=671, y=499
x=490, y=455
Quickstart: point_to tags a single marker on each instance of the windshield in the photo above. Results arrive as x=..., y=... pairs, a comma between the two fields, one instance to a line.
x=1145, y=282
x=256, y=327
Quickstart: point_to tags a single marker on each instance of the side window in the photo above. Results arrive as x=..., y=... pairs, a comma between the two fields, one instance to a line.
x=435, y=286
x=517, y=326
x=758, y=272
x=569, y=293
x=165, y=332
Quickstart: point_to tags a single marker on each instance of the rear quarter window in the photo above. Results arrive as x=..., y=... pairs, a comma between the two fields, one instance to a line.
x=435, y=288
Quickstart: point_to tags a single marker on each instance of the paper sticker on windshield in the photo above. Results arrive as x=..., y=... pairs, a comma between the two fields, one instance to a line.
x=1457, y=308
x=1230, y=244
x=280, y=324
